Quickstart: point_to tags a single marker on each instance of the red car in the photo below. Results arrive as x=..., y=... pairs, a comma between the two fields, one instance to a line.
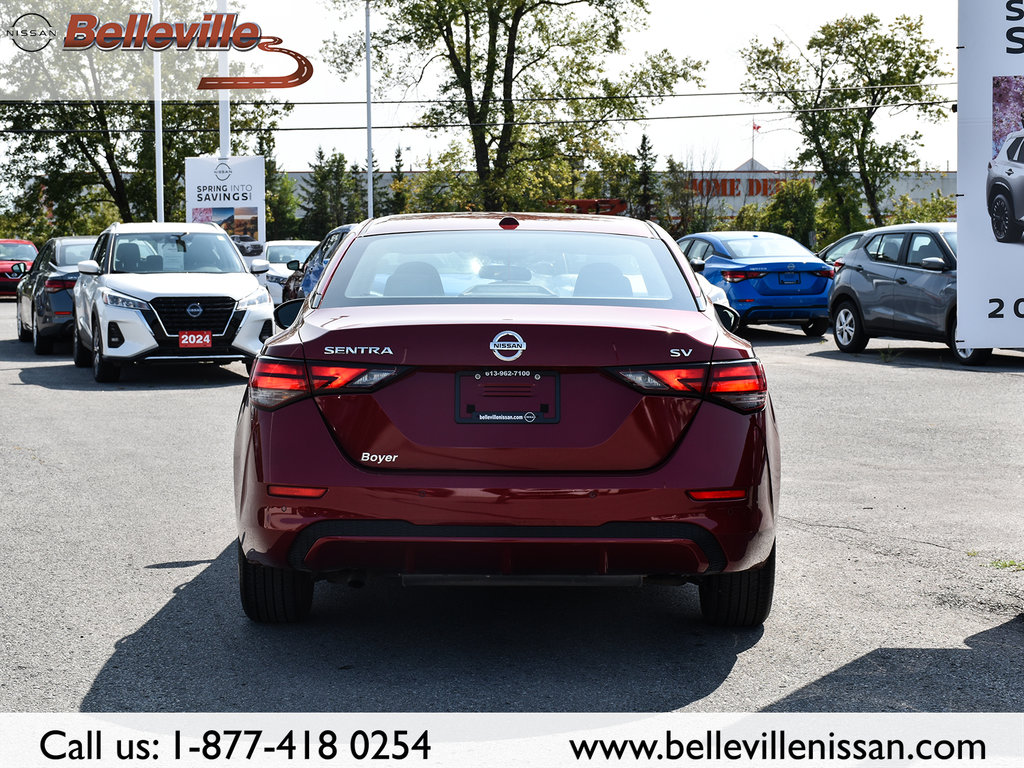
x=489, y=398
x=14, y=252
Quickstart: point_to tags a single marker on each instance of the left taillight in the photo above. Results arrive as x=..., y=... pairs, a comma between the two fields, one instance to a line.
x=274, y=383
x=57, y=284
x=741, y=384
x=738, y=384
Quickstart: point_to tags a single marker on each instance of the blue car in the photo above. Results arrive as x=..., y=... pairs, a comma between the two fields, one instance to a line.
x=768, y=278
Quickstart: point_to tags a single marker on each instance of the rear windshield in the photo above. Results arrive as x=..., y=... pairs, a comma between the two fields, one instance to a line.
x=175, y=252
x=17, y=251
x=508, y=267
x=71, y=253
x=764, y=246
x=282, y=254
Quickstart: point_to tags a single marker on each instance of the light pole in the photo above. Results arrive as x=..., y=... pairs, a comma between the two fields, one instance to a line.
x=369, y=123
x=158, y=124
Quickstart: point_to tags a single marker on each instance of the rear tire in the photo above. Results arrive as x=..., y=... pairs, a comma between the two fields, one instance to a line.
x=103, y=370
x=273, y=595
x=739, y=599
x=40, y=344
x=848, y=329
x=815, y=327
x=966, y=355
x=80, y=353
x=1004, y=220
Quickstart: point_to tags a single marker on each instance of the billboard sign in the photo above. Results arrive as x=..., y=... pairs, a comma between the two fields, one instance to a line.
x=229, y=191
x=990, y=158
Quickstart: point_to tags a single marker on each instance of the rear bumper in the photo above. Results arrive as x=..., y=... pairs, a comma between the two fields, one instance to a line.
x=784, y=314
x=641, y=523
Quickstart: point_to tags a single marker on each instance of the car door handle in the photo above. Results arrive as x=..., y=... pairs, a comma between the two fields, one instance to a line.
x=856, y=267
x=901, y=280
x=1009, y=171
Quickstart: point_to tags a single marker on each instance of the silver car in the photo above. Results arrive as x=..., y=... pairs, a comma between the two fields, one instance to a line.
x=900, y=281
x=1004, y=190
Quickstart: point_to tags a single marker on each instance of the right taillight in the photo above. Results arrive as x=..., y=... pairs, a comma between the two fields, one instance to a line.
x=276, y=382
x=739, y=384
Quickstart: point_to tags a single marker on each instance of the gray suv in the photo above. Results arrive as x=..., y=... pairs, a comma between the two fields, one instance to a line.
x=1004, y=189
x=899, y=281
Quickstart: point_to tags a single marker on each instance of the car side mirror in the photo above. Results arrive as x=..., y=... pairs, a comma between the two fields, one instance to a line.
x=294, y=265
x=728, y=317
x=88, y=267
x=697, y=265
x=934, y=263
x=259, y=266
x=18, y=268
x=286, y=313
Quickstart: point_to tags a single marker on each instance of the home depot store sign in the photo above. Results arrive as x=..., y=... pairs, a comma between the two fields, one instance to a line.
x=732, y=187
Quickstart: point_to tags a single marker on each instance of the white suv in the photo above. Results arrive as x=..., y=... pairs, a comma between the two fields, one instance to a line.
x=167, y=292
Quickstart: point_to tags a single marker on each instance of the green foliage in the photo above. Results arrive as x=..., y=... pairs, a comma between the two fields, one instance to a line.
x=840, y=85
x=396, y=197
x=506, y=68
x=686, y=205
x=646, y=182
x=791, y=211
x=749, y=218
x=332, y=195
x=839, y=215
x=938, y=207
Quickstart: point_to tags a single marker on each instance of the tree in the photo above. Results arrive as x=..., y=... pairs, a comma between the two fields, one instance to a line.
x=687, y=201
x=791, y=211
x=646, y=181
x=331, y=195
x=851, y=72
x=937, y=207
x=396, y=197
x=505, y=68
x=282, y=205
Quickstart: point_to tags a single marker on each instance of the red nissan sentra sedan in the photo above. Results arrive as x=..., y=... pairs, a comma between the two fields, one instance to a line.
x=507, y=398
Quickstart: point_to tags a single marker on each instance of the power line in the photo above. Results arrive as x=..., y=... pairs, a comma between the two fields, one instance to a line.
x=529, y=123
x=523, y=99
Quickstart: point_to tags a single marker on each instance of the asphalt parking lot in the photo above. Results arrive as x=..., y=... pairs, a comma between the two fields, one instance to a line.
x=897, y=590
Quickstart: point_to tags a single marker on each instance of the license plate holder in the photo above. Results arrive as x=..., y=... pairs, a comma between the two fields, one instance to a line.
x=195, y=339
x=507, y=396
x=789, y=278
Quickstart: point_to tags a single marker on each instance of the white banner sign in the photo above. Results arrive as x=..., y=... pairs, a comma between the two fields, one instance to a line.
x=539, y=740
x=229, y=191
x=990, y=210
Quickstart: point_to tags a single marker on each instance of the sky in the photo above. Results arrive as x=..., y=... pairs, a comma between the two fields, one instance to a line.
x=710, y=31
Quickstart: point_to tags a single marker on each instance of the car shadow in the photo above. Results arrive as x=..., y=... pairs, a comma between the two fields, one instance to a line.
x=987, y=676
x=58, y=372
x=391, y=648
x=894, y=352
